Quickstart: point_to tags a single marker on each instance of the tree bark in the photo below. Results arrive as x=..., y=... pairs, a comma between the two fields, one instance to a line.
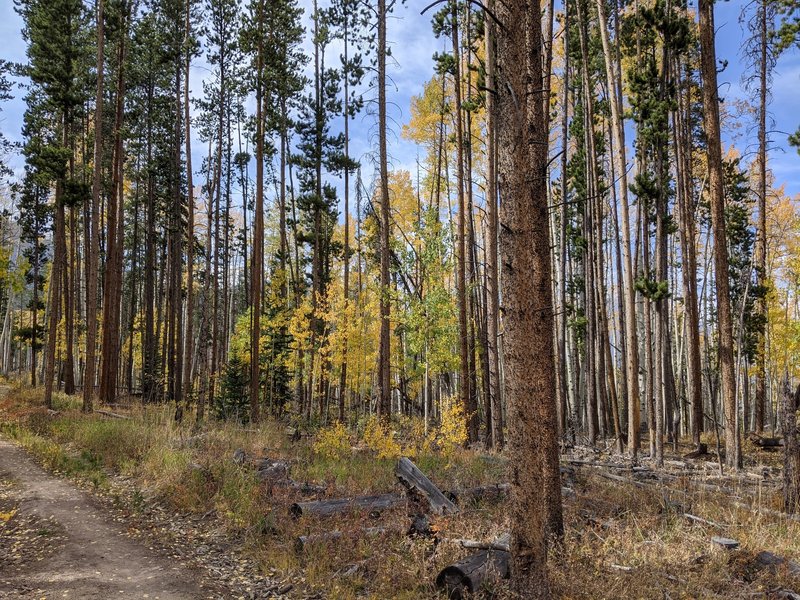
x=492, y=272
x=384, y=354
x=791, y=450
x=708, y=70
x=527, y=299
x=93, y=250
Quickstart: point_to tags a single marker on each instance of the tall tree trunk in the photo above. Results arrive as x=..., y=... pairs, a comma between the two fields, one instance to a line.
x=761, y=237
x=346, y=249
x=613, y=81
x=115, y=238
x=149, y=359
x=384, y=354
x=258, y=240
x=492, y=278
x=461, y=269
x=93, y=251
x=527, y=299
x=56, y=287
x=187, y=124
x=688, y=239
x=708, y=70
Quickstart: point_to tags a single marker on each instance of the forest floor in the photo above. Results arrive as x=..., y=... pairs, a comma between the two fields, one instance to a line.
x=173, y=498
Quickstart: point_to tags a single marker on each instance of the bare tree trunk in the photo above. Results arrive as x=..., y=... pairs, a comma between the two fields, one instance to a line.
x=189, y=338
x=493, y=281
x=688, y=238
x=708, y=70
x=258, y=241
x=461, y=277
x=613, y=80
x=761, y=237
x=346, y=249
x=384, y=354
x=93, y=250
x=56, y=287
x=115, y=239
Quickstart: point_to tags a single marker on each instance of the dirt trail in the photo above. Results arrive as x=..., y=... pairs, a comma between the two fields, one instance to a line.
x=57, y=542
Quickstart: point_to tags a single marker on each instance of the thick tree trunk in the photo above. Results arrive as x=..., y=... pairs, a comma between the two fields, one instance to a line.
x=527, y=298
x=791, y=449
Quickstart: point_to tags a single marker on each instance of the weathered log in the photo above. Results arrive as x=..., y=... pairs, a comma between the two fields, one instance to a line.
x=774, y=562
x=417, y=483
x=501, y=542
x=304, y=488
x=724, y=543
x=765, y=443
x=696, y=519
x=374, y=505
x=113, y=415
x=271, y=470
x=473, y=573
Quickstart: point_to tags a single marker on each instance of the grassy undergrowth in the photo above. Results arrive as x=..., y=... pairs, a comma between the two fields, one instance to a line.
x=621, y=541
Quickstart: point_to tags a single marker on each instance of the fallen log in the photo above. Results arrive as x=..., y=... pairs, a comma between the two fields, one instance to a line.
x=724, y=543
x=473, y=573
x=271, y=470
x=702, y=521
x=765, y=443
x=113, y=415
x=502, y=542
x=417, y=483
x=774, y=562
x=374, y=505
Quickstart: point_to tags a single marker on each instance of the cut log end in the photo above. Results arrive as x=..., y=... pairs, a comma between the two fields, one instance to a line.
x=473, y=573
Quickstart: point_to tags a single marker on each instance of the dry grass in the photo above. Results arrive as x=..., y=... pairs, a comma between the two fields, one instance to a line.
x=622, y=540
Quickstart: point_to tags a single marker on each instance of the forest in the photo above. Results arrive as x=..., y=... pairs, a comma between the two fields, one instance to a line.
x=577, y=309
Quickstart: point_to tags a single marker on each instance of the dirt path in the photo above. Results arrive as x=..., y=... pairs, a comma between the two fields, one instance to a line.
x=57, y=542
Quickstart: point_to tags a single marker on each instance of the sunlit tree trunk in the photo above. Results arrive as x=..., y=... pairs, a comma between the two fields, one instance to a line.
x=708, y=70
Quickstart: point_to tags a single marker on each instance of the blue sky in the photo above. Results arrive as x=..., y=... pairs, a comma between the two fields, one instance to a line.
x=411, y=65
